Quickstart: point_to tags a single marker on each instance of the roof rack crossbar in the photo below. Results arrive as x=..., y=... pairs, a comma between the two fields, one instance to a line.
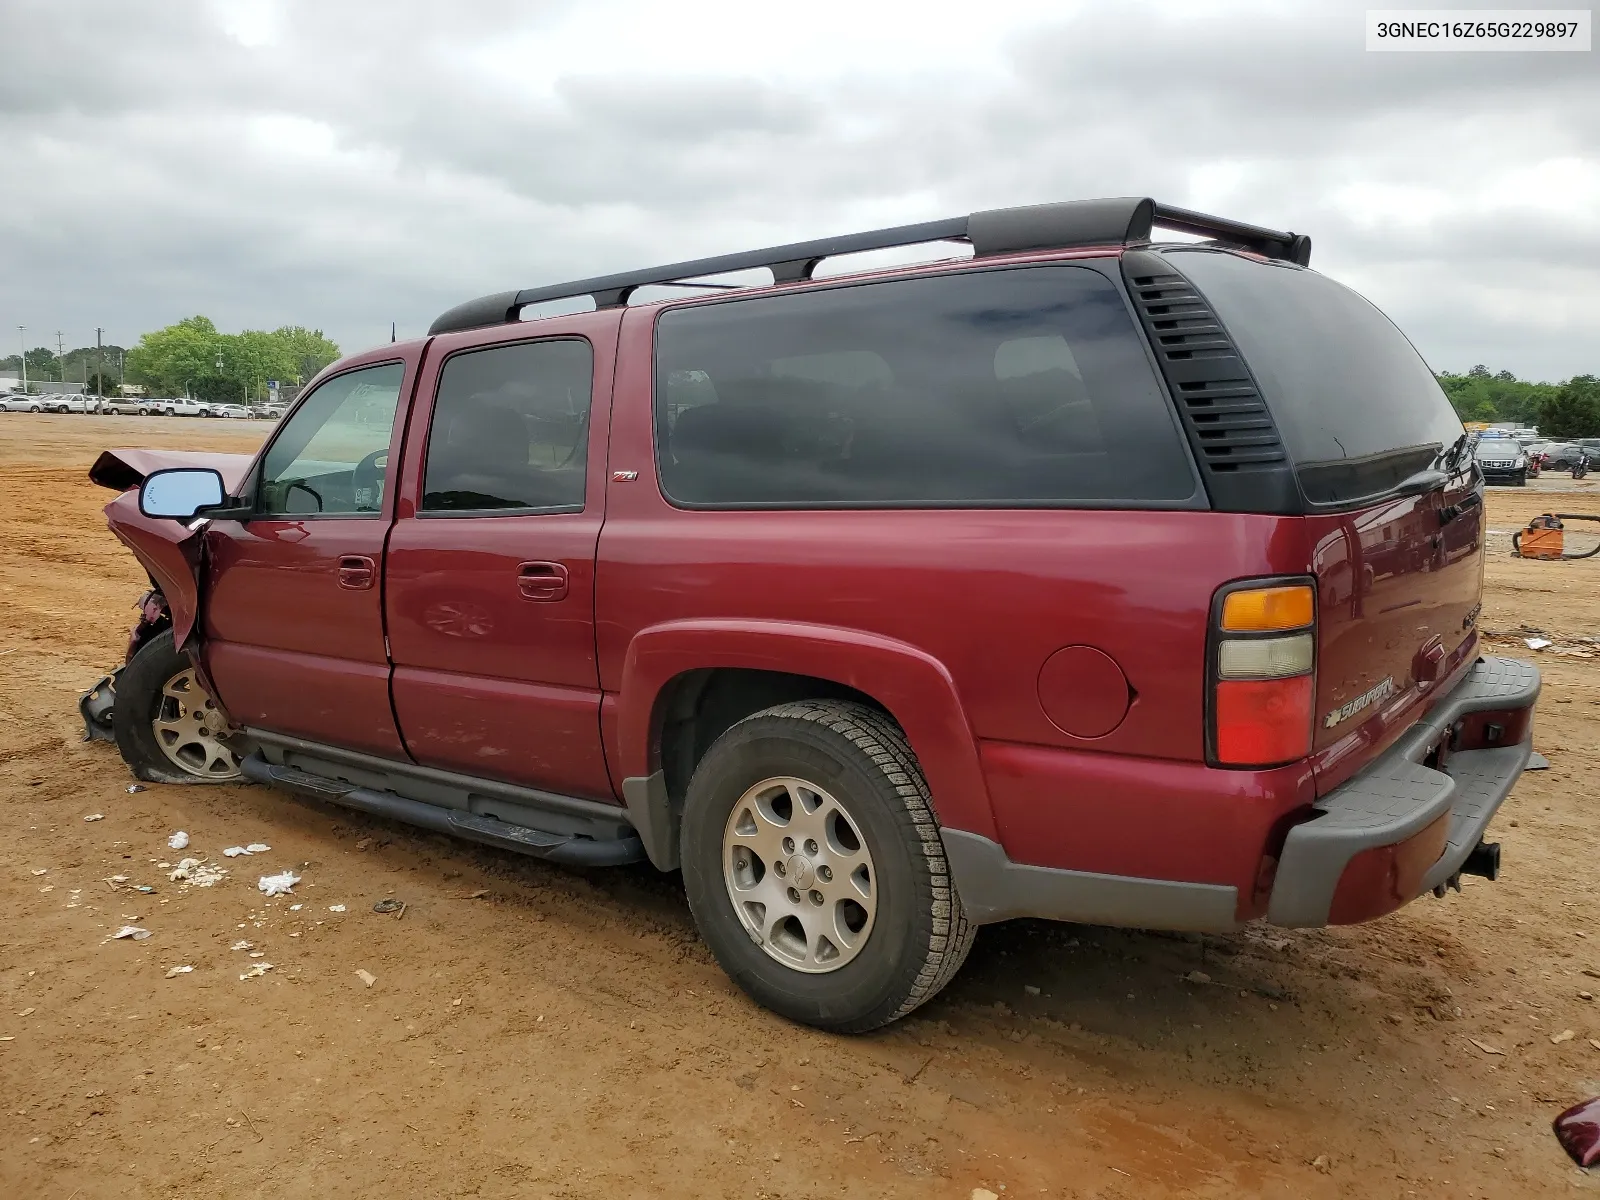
x=1108, y=222
x=1273, y=243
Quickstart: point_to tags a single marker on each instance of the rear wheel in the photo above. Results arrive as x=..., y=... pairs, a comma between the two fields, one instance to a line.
x=167, y=728
x=814, y=867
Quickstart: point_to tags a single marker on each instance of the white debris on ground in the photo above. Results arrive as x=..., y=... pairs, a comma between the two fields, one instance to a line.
x=1537, y=643
x=178, y=840
x=366, y=977
x=241, y=944
x=336, y=908
x=252, y=848
x=131, y=931
x=279, y=884
x=256, y=970
x=95, y=817
x=174, y=972
x=198, y=873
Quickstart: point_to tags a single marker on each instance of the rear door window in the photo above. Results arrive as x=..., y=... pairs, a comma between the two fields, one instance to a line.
x=510, y=429
x=1358, y=409
x=1018, y=387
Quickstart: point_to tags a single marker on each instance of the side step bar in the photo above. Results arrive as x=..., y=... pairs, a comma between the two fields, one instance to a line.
x=569, y=849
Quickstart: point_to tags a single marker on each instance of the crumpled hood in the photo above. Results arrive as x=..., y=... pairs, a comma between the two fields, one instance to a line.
x=124, y=469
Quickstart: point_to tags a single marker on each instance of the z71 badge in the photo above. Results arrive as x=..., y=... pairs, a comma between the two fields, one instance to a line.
x=1367, y=699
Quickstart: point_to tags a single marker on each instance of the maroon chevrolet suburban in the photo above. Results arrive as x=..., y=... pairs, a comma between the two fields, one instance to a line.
x=1077, y=575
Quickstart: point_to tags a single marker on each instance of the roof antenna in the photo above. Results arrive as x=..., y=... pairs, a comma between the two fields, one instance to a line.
x=391, y=333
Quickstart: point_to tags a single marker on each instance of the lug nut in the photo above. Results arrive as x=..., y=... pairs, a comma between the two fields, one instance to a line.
x=811, y=847
x=825, y=874
x=816, y=898
x=780, y=868
x=788, y=845
x=794, y=896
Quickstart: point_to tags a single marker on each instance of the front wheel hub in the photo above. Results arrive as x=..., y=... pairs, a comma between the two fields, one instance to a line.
x=191, y=732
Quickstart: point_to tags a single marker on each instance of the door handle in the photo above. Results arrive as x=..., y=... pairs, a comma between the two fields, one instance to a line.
x=356, y=572
x=542, y=582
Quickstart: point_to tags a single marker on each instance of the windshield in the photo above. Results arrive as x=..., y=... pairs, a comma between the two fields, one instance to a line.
x=1494, y=449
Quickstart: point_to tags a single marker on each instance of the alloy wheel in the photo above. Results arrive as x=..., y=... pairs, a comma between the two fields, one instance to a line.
x=190, y=730
x=799, y=875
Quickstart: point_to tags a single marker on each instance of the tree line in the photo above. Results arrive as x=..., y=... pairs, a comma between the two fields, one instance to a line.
x=98, y=368
x=188, y=358
x=1560, y=410
x=193, y=358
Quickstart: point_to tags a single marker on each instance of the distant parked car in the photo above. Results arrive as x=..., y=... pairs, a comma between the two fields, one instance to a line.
x=21, y=402
x=1560, y=456
x=226, y=410
x=125, y=405
x=1502, y=460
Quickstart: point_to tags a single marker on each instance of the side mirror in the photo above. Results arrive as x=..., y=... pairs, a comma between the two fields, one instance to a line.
x=180, y=492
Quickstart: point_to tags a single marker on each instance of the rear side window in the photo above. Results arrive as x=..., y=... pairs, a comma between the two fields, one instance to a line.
x=1358, y=409
x=1002, y=388
x=510, y=429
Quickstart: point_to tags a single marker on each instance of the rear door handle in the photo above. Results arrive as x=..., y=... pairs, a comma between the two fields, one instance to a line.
x=542, y=582
x=356, y=572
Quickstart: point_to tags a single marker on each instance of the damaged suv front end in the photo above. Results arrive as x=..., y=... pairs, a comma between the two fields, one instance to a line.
x=170, y=552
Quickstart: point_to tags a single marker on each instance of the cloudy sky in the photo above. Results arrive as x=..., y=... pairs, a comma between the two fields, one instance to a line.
x=341, y=164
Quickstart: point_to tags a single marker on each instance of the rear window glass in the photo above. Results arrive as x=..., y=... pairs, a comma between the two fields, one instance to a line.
x=1358, y=409
x=1004, y=388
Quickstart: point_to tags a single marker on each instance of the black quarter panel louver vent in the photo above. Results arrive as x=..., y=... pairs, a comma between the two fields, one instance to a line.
x=1234, y=438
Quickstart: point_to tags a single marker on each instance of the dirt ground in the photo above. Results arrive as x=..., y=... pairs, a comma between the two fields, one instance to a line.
x=534, y=1031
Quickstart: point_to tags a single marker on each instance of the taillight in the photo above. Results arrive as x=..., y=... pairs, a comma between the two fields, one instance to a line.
x=1260, y=674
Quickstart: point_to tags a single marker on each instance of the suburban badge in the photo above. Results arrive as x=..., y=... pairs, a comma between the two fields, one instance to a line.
x=1366, y=700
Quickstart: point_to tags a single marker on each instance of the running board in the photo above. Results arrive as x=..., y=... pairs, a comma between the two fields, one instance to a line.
x=569, y=849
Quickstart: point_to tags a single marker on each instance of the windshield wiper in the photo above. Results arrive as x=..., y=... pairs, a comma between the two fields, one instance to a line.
x=1423, y=482
x=1450, y=458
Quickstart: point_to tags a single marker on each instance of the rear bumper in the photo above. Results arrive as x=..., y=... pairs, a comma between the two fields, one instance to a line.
x=1401, y=828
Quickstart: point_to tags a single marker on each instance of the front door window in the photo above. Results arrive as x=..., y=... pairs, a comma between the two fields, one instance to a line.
x=331, y=456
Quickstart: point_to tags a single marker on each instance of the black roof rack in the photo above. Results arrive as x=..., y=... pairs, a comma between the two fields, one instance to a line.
x=998, y=231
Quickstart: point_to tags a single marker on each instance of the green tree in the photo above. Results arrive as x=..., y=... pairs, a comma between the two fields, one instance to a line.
x=186, y=356
x=1573, y=410
x=1480, y=396
x=43, y=364
x=308, y=349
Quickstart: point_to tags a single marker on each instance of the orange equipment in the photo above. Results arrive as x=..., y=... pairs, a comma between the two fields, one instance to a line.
x=1544, y=537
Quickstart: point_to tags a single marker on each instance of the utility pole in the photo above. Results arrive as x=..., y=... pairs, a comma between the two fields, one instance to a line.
x=99, y=382
x=61, y=360
x=22, y=343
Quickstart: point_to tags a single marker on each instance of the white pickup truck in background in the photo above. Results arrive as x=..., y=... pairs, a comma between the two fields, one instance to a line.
x=176, y=406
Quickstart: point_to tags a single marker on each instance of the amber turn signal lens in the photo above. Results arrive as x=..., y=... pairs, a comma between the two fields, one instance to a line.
x=1261, y=610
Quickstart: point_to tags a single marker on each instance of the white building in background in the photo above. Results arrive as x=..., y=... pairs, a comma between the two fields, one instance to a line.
x=10, y=383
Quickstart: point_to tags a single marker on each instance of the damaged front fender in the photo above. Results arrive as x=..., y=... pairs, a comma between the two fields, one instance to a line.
x=170, y=551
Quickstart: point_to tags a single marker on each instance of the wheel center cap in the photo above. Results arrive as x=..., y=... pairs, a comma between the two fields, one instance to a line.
x=801, y=871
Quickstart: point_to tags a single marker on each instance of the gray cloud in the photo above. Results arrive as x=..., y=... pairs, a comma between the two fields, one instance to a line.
x=272, y=161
